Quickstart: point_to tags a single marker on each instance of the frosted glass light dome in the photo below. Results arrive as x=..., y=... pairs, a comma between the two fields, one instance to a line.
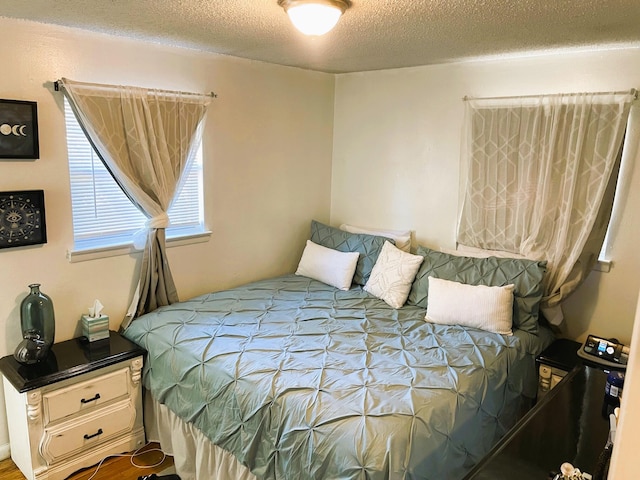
x=314, y=17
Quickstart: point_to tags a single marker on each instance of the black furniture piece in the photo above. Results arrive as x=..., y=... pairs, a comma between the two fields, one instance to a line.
x=555, y=362
x=561, y=354
x=566, y=425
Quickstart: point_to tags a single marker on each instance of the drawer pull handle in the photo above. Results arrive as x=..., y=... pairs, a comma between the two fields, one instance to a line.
x=84, y=400
x=88, y=437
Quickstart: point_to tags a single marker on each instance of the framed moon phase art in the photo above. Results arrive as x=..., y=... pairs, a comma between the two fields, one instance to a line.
x=22, y=220
x=19, y=129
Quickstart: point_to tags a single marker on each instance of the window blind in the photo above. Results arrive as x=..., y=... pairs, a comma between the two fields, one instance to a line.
x=103, y=216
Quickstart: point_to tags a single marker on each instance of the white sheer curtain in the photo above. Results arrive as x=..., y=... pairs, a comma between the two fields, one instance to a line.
x=540, y=175
x=145, y=138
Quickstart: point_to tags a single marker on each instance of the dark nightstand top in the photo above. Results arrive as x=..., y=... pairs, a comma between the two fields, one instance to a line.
x=561, y=354
x=567, y=425
x=68, y=359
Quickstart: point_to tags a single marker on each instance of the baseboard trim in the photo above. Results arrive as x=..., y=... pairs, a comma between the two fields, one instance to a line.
x=5, y=451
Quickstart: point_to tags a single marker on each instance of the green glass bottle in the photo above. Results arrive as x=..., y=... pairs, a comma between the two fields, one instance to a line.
x=37, y=320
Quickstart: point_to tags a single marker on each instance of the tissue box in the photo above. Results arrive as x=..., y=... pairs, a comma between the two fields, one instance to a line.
x=95, y=328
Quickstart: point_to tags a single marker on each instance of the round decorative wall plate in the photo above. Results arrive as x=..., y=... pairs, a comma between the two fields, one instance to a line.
x=22, y=219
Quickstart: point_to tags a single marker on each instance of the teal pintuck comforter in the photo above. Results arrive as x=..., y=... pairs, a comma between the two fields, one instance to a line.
x=300, y=380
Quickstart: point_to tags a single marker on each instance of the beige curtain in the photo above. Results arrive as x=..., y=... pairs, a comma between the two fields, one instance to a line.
x=540, y=178
x=145, y=138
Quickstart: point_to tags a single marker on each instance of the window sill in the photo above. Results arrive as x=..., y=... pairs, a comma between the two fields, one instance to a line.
x=75, y=256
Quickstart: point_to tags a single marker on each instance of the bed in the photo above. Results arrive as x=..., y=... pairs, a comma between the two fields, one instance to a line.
x=290, y=377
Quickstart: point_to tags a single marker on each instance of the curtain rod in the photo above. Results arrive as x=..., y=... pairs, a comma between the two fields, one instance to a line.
x=56, y=87
x=633, y=92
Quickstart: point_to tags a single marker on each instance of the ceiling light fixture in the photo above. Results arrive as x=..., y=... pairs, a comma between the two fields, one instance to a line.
x=314, y=17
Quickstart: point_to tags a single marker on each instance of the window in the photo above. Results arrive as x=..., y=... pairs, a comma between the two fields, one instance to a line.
x=103, y=216
x=540, y=181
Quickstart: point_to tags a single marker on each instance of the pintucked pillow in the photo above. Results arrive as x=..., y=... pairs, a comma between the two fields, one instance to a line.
x=478, y=306
x=368, y=246
x=328, y=266
x=525, y=275
x=392, y=275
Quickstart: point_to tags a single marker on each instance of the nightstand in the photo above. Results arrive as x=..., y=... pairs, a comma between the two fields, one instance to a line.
x=555, y=362
x=80, y=404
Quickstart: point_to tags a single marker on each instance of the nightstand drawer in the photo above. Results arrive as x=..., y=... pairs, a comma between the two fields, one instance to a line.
x=86, y=395
x=83, y=433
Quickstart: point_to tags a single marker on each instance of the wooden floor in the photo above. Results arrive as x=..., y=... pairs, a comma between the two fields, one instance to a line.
x=113, y=468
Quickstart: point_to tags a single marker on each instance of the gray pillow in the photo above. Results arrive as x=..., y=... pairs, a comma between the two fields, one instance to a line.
x=525, y=275
x=368, y=246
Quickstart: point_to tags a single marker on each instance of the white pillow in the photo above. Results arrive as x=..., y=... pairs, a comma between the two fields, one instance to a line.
x=401, y=237
x=392, y=275
x=479, y=306
x=327, y=265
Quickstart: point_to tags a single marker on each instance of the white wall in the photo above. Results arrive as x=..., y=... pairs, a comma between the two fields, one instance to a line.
x=396, y=159
x=624, y=461
x=267, y=170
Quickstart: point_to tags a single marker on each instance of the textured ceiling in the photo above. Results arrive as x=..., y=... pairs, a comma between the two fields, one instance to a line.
x=372, y=34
